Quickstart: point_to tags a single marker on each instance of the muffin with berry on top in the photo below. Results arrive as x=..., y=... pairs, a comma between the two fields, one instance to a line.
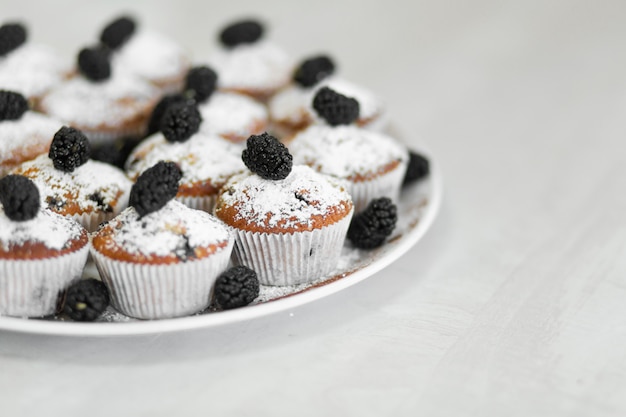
x=160, y=258
x=290, y=222
x=205, y=160
x=41, y=252
x=24, y=134
x=73, y=185
x=248, y=63
x=373, y=164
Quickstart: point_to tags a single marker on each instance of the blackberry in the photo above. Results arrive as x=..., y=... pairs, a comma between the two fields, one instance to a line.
x=369, y=228
x=116, y=33
x=202, y=81
x=313, y=70
x=155, y=187
x=94, y=63
x=19, y=197
x=236, y=287
x=418, y=168
x=267, y=157
x=12, y=105
x=335, y=108
x=86, y=299
x=69, y=149
x=180, y=121
x=245, y=31
x=12, y=36
x=154, y=125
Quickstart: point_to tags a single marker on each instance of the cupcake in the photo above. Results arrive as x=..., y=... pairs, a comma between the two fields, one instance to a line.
x=146, y=54
x=24, y=134
x=30, y=69
x=104, y=105
x=247, y=63
x=72, y=185
x=160, y=258
x=373, y=164
x=41, y=252
x=290, y=222
x=291, y=109
x=232, y=116
x=206, y=161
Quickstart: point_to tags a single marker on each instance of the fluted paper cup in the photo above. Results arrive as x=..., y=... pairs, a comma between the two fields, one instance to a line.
x=386, y=185
x=204, y=203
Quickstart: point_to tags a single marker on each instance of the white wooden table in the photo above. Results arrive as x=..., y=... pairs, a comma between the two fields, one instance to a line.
x=515, y=302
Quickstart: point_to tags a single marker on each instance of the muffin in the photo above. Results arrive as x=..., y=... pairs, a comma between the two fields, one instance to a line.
x=30, y=69
x=41, y=252
x=291, y=109
x=104, y=105
x=290, y=222
x=72, y=185
x=206, y=161
x=160, y=258
x=232, y=116
x=146, y=54
x=373, y=164
x=24, y=134
x=247, y=63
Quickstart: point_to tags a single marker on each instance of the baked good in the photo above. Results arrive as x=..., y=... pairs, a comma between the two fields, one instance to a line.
x=160, y=258
x=249, y=64
x=291, y=109
x=102, y=104
x=72, y=185
x=28, y=68
x=144, y=53
x=41, y=252
x=372, y=163
x=206, y=160
x=24, y=134
x=290, y=222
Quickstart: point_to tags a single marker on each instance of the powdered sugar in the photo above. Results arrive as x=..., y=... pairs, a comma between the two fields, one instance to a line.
x=294, y=200
x=84, y=186
x=261, y=65
x=345, y=151
x=173, y=229
x=97, y=105
x=231, y=113
x=32, y=70
x=51, y=229
x=201, y=158
x=31, y=129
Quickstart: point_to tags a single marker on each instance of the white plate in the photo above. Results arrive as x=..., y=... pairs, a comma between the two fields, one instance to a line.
x=417, y=209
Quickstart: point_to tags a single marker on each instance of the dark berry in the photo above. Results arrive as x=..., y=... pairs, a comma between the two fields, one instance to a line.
x=12, y=35
x=335, y=108
x=236, y=287
x=180, y=121
x=418, y=168
x=155, y=187
x=19, y=197
x=12, y=105
x=246, y=31
x=202, y=81
x=116, y=33
x=86, y=299
x=94, y=63
x=369, y=228
x=313, y=70
x=69, y=149
x=267, y=157
x=154, y=125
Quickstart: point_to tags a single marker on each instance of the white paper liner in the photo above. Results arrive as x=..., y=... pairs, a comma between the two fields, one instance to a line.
x=291, y=258
x=161, y=291
x=205, y=203
x=30, y=288
x=386, y=185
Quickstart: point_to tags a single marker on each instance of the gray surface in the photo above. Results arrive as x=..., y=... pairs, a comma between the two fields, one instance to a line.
x=514, y=302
